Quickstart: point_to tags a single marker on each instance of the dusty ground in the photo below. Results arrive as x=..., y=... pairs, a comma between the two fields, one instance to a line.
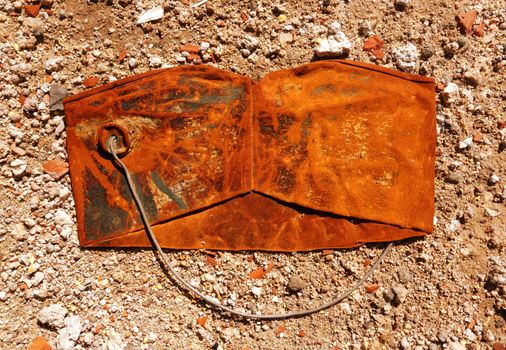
x=450, y=286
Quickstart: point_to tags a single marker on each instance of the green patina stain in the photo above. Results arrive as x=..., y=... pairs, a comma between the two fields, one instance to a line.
x=165, y=189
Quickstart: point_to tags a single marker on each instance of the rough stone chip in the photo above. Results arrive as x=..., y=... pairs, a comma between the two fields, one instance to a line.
x=52, y=316
x=295, y=284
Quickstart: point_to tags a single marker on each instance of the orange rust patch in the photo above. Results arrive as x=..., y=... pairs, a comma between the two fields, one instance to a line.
x=328, y=155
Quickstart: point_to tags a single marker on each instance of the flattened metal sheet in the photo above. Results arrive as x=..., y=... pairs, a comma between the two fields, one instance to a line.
x=327, y=155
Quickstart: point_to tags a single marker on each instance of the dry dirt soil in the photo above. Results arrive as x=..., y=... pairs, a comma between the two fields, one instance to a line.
x=445, y=291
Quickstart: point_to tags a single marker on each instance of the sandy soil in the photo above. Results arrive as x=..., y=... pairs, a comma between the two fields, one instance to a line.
x=446, y=290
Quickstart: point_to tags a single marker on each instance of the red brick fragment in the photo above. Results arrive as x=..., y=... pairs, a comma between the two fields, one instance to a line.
x=269, y=267
x=478, y=137
x=327, y=251
x=98, y=328
x=39, y=343
x=302, y=333
x=189, y=48
x=479, y=30
x=90, y=82
x=244, y=17
x=257, y=274
x=56, y=168
x=281, y=329
x=32, y=10
x=374, y=45
x=193, y=56
x=201, y=321
x=122, y=55
x=373, y=42
x=501, y=124
x=471, y=324
x=499, y=346
x=465, y=21
x=367, y=262
x=211, y=261
x=371, y=288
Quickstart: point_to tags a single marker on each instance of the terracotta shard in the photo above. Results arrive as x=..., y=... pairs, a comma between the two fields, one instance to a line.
x=465, y=21
x=327, y=155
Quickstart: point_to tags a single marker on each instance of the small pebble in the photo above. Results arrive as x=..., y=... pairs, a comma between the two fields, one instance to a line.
x=400, y=294
x=295, y=284
x=404, y=344
x=455, y=177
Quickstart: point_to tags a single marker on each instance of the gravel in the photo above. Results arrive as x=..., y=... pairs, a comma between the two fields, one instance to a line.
x=445, y=290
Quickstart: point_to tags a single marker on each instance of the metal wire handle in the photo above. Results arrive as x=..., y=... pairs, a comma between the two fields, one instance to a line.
x=111, y=143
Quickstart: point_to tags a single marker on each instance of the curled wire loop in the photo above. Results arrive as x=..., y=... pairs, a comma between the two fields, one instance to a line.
x=112, y=144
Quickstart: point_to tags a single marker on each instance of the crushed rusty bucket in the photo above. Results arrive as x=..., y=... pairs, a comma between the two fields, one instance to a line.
x=327, y=155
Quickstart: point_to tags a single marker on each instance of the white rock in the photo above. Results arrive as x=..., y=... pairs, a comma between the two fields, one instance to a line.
x=68, y=335
x=456, y=346
x=16, y=133
x=33, y=268
x=37, y=278
x=333, y=46
x=152, y=337
x=180, y=58
x=115, y=342
x=466, y=143
x=150, y=15
x=18, y=167
x=155, y=61
x=250, y=43
x=53, y=64
x=346, y=308
x=204, y=46
x=209, y=277
x=285, y=38
x=30, y=104
x=257, y=291
x=334, y=28
x=29, y=222
x=52, y=316
x=3, y=296
x=88, y=338
x=132, y=63
x=491, y=212
x=62, y=217
x=450, y=93
x=406, y=57
x=470, y=335
x=66, y=232
x=494, y=179
x=22, y=69
x=404, y=344
x=59, y=129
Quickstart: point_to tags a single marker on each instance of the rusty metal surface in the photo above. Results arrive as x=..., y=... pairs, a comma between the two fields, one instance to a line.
x=330, y=154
